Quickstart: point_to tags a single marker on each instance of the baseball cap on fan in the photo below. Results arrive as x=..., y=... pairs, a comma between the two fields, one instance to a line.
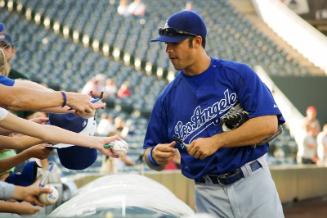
x=72, y=156
x=180, y=26
x=25, y=177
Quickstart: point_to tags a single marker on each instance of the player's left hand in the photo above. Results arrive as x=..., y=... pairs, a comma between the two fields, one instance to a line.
x=202, y=147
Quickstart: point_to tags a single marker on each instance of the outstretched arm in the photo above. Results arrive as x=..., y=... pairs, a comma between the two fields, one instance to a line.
x=37, y=151
x=29, y=99
x=33, y=85
x=18, y=142
x=53, y=134
x=22, y=208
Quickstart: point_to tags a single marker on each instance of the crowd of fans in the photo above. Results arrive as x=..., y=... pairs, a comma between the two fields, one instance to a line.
x=100, y=83
x=138, y=9
x=314, y=146
x=135, y=8
x=24, y=153
x=33, y=137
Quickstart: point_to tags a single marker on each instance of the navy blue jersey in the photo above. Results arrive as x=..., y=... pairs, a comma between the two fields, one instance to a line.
x=6, y=81
x=191, y=107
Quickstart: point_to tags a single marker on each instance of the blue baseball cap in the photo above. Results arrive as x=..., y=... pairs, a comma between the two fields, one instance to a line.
x=6, y=40
x=72, y=156
x=180, y=26
x=26, y=177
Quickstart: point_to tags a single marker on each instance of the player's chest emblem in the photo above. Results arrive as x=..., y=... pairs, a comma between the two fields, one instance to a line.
x=203, y=117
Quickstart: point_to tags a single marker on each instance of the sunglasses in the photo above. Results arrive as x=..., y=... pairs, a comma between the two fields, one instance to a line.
x=169, y=31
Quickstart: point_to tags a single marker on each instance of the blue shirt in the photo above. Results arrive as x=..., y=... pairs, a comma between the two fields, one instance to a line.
x=191, y=107
x=6, y=81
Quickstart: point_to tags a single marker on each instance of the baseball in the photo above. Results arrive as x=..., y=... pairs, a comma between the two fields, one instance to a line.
x=120, y=147
x=49, y=198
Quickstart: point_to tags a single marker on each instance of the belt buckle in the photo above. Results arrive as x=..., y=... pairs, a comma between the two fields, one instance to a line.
x=223, y=179
x=224, y=176
x=229, y=177
x=229, y=174
x=214, y=179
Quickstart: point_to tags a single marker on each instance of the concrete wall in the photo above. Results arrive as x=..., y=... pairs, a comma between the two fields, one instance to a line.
x=292, y=182
x=300, y=182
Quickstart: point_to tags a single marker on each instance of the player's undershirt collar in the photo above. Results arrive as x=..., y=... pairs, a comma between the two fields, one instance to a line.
x=202, y=76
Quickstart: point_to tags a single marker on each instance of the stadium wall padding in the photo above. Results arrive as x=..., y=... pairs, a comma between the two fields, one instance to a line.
x=296, y=182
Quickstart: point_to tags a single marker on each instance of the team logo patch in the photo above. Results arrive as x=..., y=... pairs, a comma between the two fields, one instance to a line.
x=202, y=118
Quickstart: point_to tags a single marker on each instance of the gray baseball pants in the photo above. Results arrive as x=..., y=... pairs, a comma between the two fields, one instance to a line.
x=254, y=196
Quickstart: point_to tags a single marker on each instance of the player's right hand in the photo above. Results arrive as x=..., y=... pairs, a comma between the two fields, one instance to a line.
x=162, y=153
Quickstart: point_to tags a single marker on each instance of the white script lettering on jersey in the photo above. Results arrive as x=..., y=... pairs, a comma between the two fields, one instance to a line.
x=203, y=118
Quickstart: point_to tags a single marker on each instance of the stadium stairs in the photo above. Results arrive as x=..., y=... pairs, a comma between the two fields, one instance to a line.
x=247, y=9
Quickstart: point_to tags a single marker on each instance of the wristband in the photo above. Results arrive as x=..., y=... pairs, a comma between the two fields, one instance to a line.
x=151, y=160
x=64, y=97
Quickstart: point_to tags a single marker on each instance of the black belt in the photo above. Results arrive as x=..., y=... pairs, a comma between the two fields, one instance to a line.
x=229, y=177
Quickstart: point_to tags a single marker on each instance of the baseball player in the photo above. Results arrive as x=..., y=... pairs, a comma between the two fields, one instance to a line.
x=219, y=115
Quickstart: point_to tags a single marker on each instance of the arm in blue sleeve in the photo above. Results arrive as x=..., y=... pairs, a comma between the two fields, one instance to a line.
x=254, y=95
x=157, y=127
